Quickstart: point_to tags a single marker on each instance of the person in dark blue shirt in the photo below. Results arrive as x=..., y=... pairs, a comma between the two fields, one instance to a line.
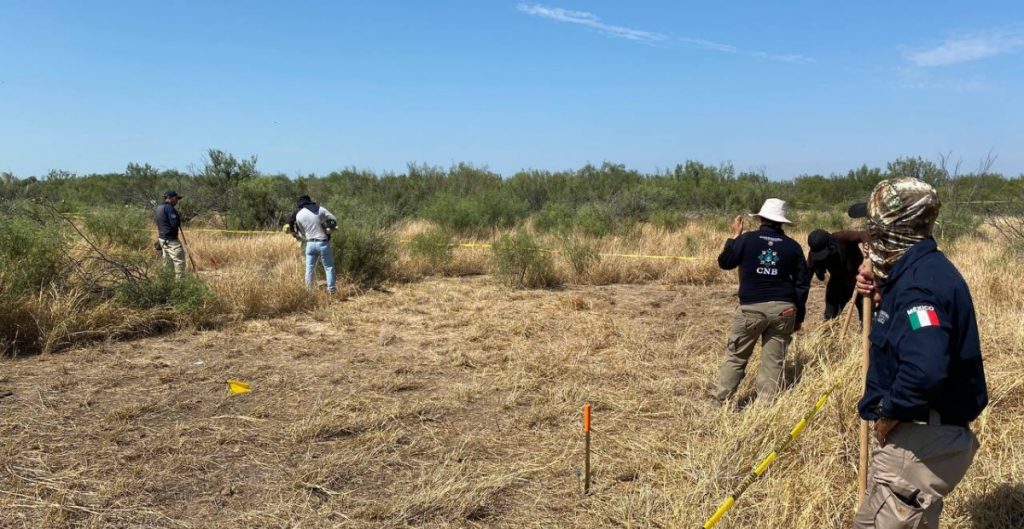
x=926, y=381
x=774, y=283
x=168, y=222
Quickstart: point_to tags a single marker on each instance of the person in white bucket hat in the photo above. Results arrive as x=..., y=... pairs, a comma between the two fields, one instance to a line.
x=774, y=284
x=774, y=210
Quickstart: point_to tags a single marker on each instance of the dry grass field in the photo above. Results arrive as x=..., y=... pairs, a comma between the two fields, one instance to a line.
x=449, y=400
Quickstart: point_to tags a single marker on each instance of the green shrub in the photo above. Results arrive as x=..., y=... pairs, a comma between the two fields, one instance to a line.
x=580, y=255
x=554, y=217
x=828, y=220
x=31, y=255
x=366, y=254
x=723, y=223
x=456, y=213
x=1016, y=248
x=953, y=224
x=128, y=228
x=521, y=263
x=595, y=219
x=375, y=214
x=631, y=205
x=262, y=202
x=433, y=246
x=188, y=295
x=669, y=219
x=474, y=214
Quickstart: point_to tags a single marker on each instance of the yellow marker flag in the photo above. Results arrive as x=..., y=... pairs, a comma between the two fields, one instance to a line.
x=236, y=387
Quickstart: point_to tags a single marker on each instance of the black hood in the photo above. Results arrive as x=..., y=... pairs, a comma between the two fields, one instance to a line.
x=305, y=202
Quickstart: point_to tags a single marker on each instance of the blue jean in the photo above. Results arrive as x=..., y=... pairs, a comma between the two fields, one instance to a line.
x=319, y=251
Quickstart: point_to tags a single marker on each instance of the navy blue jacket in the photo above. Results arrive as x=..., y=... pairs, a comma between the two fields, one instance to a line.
x=167, y=222
x=925, y=350
x=772, y=268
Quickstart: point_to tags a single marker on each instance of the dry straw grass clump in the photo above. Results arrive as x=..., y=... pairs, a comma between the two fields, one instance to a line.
x=644, y=254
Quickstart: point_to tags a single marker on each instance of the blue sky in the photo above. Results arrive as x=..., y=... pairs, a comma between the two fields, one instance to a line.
x=804, y=87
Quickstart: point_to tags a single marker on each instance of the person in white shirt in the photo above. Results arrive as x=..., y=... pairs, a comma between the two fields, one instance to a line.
x=313, y=223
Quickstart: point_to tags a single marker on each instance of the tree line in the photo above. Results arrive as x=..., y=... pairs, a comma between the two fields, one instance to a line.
x=597, y=199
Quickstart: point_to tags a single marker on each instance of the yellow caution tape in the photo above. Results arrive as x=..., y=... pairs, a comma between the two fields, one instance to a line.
x=237, y=387
x=768, y=460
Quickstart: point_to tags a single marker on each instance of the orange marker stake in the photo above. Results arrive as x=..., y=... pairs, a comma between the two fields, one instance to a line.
x=586, y=448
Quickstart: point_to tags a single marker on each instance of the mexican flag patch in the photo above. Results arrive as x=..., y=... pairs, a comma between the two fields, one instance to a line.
x=923, y=317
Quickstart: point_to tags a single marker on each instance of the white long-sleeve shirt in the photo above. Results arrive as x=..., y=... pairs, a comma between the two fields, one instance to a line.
x=309, y=225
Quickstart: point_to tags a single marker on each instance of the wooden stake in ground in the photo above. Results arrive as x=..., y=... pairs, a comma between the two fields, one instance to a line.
x=865, y=361
x=846, y=323
x=586, y=448
x=188, y=252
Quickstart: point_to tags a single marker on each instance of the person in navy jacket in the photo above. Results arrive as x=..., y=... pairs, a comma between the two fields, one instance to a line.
x=168, y=223
x=926, y=381
x=774, y=283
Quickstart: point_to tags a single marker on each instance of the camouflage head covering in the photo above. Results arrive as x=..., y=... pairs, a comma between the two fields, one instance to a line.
x=901, y=213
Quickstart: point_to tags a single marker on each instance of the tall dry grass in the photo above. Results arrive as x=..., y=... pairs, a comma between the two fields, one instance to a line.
x=455, y=403
x=646, y=253
x=260, y=276
x=253, y=276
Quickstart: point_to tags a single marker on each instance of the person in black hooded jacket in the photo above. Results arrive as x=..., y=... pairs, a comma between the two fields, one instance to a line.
x=839, y=254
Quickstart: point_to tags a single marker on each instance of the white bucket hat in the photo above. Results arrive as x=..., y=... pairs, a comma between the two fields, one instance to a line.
x=774, y=210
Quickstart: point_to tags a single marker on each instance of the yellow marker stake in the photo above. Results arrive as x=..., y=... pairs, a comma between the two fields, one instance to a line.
x=768, y=460
x=726, y=505
x=764, y=464
x=237, y=387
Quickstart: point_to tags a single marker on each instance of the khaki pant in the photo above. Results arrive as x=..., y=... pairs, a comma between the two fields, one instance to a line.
x=912, y=473
x=174, y=254
x=758, y=321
